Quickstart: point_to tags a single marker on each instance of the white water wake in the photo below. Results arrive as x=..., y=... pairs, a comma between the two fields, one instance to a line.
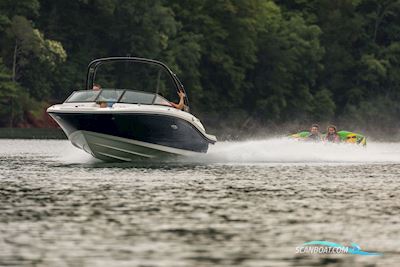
x=274, y=150
x=283, y=150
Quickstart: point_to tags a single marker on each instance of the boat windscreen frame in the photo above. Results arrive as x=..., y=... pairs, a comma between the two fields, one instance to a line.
x=96, y=99
x=93, y=66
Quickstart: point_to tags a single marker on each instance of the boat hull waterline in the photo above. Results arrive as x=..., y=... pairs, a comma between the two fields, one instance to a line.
x=112, y=148
x=132, y=136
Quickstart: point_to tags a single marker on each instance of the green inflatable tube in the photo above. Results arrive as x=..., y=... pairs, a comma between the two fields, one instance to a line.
x=345, y=137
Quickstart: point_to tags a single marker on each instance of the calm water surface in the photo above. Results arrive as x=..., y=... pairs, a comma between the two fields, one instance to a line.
x=245, y=204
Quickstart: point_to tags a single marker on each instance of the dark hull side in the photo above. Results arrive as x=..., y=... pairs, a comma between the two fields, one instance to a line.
x=150, y=128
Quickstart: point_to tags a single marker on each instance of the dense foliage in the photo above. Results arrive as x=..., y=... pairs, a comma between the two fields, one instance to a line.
x=259, y=60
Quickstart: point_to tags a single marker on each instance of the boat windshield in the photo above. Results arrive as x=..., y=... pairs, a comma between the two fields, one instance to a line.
x=83, y=96
x=117, y=95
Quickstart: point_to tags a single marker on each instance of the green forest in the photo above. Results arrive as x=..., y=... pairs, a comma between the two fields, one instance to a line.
x=243, y=62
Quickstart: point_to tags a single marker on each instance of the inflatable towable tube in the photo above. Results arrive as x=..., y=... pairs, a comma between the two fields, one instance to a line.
x=345, y=137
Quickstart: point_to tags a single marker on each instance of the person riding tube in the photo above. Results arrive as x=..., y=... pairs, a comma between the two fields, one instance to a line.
x=314, y=135
x=331, y=135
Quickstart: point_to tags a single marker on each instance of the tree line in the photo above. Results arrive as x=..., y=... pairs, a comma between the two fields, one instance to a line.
x=260, y=60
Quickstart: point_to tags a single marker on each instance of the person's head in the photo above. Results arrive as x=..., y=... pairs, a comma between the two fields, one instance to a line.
x=96, y=87
x=332, y=129
x=314, y=129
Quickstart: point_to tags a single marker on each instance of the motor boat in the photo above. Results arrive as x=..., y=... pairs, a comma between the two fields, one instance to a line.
x=345, y=137
x=130, y=118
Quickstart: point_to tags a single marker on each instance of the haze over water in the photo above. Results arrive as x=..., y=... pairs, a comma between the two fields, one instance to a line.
x=245, y=203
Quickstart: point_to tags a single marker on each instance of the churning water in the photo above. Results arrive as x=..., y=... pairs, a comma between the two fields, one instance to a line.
x=284, y=150
x=245, y=203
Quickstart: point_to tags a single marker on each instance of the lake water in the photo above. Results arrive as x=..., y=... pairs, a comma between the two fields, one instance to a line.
x=245, y=203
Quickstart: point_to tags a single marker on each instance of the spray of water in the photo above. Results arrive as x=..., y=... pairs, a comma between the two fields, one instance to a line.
x=274, y=150
x=288, y=150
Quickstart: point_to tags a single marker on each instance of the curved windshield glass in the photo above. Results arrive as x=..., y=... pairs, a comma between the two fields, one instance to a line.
x=110, y=95
x=118, y=95
x=161, y=101
x=134, y=97
x=83, y=96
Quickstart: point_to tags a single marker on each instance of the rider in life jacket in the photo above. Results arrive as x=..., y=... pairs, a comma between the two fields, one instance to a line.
x=332, y=135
